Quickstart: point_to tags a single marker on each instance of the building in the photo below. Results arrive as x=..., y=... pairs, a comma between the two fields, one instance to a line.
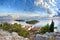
x=35, y=29
x=31, y=28
x=28, y=28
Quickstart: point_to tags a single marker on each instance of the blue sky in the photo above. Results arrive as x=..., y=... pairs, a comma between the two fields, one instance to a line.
x=40, y=7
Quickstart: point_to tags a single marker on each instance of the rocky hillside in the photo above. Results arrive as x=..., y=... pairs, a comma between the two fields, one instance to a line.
x=4, y=35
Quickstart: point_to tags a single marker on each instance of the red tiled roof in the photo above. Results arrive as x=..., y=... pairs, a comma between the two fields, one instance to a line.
x=35, y=29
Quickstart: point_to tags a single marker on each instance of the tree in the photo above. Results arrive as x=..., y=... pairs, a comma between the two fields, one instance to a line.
x=44, y=29
x=52, y=26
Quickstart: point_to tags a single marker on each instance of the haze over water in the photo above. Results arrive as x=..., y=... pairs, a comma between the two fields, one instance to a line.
x=42, y=21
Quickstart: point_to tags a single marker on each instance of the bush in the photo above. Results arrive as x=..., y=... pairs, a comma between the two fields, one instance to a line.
x=44, y=29
x=15, y=28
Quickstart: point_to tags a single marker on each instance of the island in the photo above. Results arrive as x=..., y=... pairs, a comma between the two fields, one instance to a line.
x=32, y=22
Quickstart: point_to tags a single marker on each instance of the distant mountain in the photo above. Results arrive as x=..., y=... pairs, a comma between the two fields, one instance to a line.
x=5, y=18
x=23, y=18
x=37, y=18
x=30, y=18
x=14, y=16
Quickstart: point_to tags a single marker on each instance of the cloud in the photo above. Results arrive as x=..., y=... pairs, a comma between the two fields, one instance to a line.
x=38, y=2
x=47, y=5
x=52, y=2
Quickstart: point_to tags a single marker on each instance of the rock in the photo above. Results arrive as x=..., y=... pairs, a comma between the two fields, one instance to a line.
x=4, y=35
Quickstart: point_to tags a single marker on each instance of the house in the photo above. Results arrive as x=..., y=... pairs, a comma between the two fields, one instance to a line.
x=35, y=29
x=28, y=28
x=32, y=28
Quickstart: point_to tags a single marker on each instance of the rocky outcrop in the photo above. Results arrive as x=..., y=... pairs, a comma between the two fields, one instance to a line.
x=4, y=35
x=47, y=36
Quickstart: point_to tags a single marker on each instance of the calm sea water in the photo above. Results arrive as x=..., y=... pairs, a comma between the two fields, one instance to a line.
x=42, y=22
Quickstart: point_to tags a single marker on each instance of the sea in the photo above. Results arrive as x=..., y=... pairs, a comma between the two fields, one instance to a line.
x=42, y=21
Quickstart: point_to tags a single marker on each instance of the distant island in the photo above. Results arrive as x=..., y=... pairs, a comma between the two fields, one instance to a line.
x=32, y=22
x=19, y=20
x=28, y=22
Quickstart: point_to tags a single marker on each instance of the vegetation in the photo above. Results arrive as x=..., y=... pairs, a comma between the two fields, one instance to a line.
x=52, y=26
x=44, y=29
x=14, y=28
x=22, y=32
x=32, y=22
x=47, y=28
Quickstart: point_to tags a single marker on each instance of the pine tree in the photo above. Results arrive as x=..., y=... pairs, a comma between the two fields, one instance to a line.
x=52, y=26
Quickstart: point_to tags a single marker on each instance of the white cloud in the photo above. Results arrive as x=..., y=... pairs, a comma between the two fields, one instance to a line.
x=47, y=5
x=52, y=2
x=38, y=2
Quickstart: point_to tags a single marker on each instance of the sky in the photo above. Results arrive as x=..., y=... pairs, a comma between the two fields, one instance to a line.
x=30, y=7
